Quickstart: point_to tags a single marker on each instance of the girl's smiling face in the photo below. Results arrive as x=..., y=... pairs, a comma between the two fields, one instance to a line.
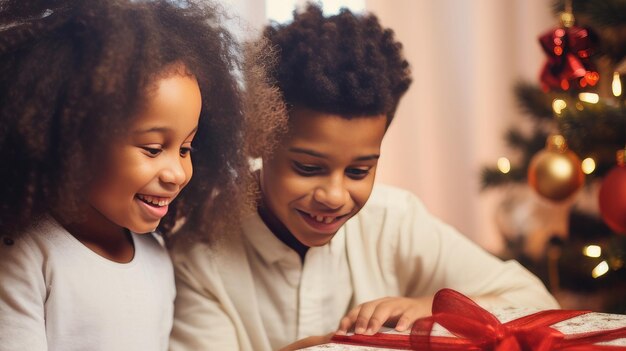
x=320, y=175
x=148, y=167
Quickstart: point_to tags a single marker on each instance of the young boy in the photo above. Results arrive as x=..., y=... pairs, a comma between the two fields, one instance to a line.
x=327, y=249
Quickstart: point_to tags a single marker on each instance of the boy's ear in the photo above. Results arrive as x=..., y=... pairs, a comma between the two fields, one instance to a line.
x=255, y=163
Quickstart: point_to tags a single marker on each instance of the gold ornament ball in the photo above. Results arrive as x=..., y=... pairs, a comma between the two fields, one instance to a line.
x=555, y=175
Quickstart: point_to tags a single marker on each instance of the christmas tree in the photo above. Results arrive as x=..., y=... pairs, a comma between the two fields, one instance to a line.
x=572, y=160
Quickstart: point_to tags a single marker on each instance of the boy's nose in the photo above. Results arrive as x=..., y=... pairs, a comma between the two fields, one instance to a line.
x=333, y=194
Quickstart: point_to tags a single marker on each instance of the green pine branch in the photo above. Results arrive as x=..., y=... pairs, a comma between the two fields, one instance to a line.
x=492, y=177
x=533, y=101
x=601, y=13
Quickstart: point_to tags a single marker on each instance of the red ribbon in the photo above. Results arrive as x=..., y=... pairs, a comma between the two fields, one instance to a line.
x=476, y=329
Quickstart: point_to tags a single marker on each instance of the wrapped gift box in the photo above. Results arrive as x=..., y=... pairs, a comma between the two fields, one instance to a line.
x=589, y=331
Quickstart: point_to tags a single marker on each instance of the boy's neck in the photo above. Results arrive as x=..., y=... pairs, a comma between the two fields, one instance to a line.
x=280, y=231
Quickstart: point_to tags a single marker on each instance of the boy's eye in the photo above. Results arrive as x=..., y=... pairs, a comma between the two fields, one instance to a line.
x=357, y=173
x=306, y=169
x=152, y=151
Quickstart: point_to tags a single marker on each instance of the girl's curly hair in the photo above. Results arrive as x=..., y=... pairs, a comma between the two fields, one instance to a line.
x=345, y=64
x=72, y=75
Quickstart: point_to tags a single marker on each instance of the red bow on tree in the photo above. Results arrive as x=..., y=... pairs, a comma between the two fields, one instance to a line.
x=568, y=51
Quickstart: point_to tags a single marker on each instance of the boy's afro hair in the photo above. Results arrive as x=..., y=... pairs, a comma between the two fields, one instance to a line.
x=345, y=64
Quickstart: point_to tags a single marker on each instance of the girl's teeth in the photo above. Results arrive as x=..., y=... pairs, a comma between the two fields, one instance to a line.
x=327, y=220
x=153, y=200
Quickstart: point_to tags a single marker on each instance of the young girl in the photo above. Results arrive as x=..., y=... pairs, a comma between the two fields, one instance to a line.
x=327, y=249
x=103, y=105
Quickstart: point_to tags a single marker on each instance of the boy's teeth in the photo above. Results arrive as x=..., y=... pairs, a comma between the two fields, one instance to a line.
x=322, y=219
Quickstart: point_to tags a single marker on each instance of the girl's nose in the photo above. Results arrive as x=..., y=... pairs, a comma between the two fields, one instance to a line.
x=174, y=172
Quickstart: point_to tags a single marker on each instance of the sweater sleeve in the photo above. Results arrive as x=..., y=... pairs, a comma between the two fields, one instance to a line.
x=22, y=295
x=200, y=322
x=422, y=254
x=435, y=255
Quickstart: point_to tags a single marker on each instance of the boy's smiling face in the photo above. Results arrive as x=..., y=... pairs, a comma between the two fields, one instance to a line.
x=321, y=174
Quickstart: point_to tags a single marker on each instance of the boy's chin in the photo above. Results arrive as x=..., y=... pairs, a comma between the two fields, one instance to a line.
x=320, y=241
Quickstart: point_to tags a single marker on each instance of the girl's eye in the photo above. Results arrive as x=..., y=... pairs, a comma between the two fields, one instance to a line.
x=357, y=173
x=185, y=151
x=152, y=151
x=306, y=169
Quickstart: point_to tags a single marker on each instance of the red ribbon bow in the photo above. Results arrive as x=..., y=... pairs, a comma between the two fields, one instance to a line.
x=477, y=329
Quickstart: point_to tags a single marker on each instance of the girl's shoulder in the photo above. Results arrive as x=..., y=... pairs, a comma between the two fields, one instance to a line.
x=38, y=237
x=28, y=251
x=44, y=241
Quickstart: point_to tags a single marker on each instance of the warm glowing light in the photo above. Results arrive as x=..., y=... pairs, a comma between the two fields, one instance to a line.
x=591, y=98
x=588, y=165
x=600, y=269
x=558, y=105
x=616, y=84
x=562, y=168
x=504, y=165
x=592, y=251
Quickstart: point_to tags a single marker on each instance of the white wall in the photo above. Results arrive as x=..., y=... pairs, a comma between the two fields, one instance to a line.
x=466, y=56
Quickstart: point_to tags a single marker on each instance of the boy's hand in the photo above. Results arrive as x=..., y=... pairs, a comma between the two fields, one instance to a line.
x=401, y=312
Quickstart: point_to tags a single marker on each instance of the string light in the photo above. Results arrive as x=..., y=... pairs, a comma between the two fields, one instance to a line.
x=616, y=85
x=504, y=165
x=592, y=251
x=588, y=165
x=558, y=105
x=591, y=98
x=579, y=106
x=600, y=269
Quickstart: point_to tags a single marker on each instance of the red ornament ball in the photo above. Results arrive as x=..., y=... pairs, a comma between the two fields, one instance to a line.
x=613, y=199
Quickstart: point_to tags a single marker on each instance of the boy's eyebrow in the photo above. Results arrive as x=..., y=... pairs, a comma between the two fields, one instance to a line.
x=368, y=157
x=320, y=155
